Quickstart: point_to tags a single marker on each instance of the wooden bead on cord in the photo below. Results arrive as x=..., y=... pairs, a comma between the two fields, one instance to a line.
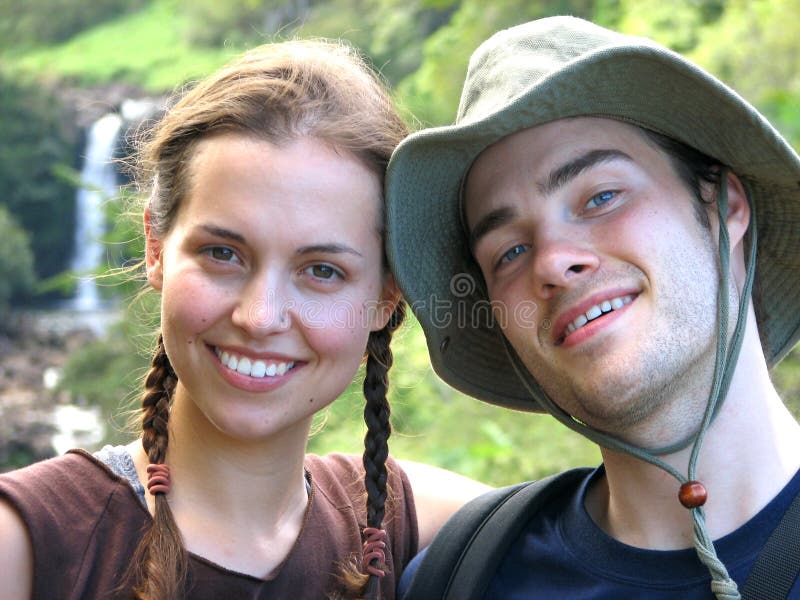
x=693, y=494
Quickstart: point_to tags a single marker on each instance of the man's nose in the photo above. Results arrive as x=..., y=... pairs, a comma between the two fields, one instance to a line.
x=561, y=260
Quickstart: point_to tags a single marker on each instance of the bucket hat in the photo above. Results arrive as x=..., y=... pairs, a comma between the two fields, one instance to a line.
x=556, y=68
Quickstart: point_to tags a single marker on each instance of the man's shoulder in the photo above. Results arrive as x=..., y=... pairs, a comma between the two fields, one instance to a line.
x=523, y=499
x=467, y=551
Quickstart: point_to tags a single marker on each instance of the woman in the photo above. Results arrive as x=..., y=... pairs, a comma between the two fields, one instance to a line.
x=263, y=234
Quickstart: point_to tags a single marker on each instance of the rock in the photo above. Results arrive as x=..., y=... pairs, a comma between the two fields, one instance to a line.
x=26, y=428
x=40, y=342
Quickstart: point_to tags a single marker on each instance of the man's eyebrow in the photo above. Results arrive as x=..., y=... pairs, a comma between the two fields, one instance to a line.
x=489, y=222
x=224, y=233
x=331, y=248
x=564, y=174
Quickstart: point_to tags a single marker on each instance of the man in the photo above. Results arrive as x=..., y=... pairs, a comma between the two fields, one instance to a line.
x=617, y=207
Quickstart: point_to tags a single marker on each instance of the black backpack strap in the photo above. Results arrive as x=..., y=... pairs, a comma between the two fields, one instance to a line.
x=778, y=563
x=468, y=550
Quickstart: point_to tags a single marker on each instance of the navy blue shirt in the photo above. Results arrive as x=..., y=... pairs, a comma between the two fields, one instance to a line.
x=562, y=553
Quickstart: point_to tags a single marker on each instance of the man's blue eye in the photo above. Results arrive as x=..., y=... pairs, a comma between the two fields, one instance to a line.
x=600, y=199
x=513, y=253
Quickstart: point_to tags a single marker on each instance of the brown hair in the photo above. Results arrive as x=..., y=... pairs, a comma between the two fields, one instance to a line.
x=276, y=93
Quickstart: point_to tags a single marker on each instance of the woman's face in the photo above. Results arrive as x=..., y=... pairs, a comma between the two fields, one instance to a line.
x=271, y=279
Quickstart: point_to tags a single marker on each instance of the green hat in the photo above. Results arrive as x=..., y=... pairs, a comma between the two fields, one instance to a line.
x=552, y=69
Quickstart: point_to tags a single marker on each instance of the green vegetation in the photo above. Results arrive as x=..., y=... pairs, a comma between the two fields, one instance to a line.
x=34, y=145
x=16, y=260
x=25, y=23
x=146, y=48
x=422, y=48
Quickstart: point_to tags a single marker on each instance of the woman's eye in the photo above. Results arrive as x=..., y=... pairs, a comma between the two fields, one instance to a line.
x=600, y=199
x=222, y=253
x=513, y=253
x=324, y=272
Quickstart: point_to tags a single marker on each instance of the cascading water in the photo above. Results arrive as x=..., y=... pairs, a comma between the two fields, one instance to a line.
x=98, y=184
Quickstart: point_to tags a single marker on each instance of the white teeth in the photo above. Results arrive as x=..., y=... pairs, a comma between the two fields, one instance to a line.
x=253, y=368
x=258, y=369
x=244, y=366
x=597, y=310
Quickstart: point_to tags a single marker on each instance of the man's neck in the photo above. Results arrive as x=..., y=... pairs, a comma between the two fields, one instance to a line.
x=748, y=454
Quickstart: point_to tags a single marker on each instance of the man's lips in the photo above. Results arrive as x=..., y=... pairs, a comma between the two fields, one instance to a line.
x=589, y=310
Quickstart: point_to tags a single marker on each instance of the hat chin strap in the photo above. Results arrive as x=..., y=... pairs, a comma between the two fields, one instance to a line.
x=722, y=585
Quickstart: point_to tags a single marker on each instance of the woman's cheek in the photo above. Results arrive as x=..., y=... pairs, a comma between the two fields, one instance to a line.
x=336, y=325
x=196, y=302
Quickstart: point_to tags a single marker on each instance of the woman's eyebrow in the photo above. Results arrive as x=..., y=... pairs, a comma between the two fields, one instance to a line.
x=332, y=248
x=223, y=233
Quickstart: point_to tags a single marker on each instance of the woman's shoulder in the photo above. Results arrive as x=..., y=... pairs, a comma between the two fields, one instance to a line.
x=345, y=472
x=74, y=492
x=338, y=480
x=16, y=554
x=74, y=514
x=76, y=471
x=344, y=463
x=69, y=488
x=339, y=505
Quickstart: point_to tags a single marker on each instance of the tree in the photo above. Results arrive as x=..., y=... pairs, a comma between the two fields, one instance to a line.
x=432, y=92
x=34, y=142
x=16, y=262
x=755, y=47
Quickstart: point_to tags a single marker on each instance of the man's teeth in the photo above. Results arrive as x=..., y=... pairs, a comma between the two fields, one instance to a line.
x=597, y=310
x=253, y=368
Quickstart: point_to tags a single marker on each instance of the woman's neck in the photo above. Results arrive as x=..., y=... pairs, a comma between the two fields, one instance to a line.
x=240, y=503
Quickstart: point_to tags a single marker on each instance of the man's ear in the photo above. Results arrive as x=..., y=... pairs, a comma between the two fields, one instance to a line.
x=737, y=221
x=390, y=297
x=152, y=255
x=738, y=218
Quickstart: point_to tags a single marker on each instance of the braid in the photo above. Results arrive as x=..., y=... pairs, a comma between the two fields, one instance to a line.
x=159, y=386
x=357, y=583
x=158, y=568
x=376, y=416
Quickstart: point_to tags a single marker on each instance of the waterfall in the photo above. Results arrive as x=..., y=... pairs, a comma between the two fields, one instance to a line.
x=98, y=184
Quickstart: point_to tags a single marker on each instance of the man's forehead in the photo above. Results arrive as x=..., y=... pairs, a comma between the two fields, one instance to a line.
x=548, y=154
x=560, y=133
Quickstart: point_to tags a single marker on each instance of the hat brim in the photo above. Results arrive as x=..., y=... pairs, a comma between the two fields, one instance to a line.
x=641, y=84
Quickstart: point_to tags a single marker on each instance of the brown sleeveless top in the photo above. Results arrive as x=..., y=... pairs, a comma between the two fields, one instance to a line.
x=85, y=523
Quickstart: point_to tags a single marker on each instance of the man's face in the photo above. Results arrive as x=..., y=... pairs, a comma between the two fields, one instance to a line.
x=589, y=220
